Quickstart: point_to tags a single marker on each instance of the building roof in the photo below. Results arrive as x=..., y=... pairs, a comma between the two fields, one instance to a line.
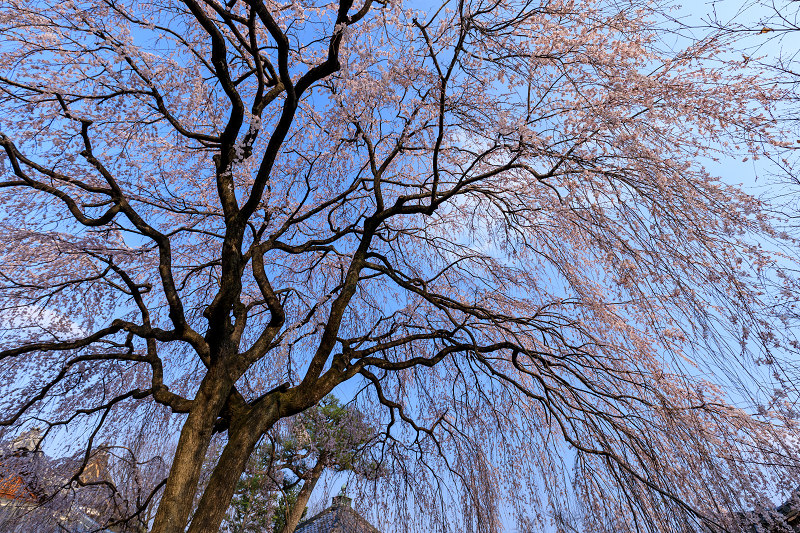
x=790, y=510
x=37, y=494
x=13, y=487
x=340, y=517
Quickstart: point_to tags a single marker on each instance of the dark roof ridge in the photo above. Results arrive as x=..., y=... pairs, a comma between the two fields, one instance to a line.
x=309, y=520
x=330, y=520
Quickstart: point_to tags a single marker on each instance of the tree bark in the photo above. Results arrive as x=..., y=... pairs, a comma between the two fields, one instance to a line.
x=296, y=512
x=184, y=476
x=243, y=435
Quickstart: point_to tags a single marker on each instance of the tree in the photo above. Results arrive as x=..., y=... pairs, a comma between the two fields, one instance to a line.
x=488, y=216
x=764, y=32
x=287, y=466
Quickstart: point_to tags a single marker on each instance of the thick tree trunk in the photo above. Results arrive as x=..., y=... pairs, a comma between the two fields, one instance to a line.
x=294, y=514
x=242, y=439
x=184, y=476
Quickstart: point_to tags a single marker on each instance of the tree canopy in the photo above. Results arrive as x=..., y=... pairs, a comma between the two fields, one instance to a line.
x=487, y=220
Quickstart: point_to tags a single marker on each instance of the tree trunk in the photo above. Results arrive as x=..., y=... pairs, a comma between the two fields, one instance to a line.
x=243, y=435
x=294, y=514
x=184, y=476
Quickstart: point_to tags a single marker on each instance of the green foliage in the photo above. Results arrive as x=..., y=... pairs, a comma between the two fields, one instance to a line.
x=328, y=436
x=335, y=434
x=253, y=502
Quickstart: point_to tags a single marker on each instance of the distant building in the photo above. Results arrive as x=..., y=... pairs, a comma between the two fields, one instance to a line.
x=340, y=517
x=784, y=518
x=790, y=511
x=20, y=464
x=29, y=480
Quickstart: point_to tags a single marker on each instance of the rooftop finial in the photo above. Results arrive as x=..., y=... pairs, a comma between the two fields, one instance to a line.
x=342, y=500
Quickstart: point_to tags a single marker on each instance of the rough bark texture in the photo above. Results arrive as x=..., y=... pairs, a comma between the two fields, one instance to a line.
x=184, y=475
x=242, y=439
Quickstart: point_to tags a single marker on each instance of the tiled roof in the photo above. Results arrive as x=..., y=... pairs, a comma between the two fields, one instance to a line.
x=13, y=487
x=338, y=518
x=29, y=481
x=791, y=510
